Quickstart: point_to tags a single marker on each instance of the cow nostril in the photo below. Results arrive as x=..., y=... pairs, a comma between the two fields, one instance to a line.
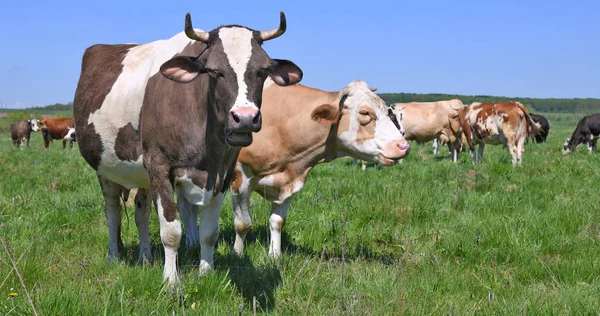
x=235, y=117
x=256, y=118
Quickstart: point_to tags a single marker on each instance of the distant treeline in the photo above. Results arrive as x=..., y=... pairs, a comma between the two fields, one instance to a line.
x=539, y=105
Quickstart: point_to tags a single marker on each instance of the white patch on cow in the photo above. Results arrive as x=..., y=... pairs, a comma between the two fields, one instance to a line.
x=237, y=45
x=267, y=181
x=193, y=193
x=268, y=83
x=34, y=125
x=170, y=235
x=123, y=104
x=69, y=135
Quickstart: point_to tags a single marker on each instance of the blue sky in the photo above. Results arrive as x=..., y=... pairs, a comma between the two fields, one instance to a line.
x=506, y=48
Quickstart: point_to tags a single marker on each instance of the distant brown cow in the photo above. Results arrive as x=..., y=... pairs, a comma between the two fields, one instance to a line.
x=56, y=128
x=21, y=131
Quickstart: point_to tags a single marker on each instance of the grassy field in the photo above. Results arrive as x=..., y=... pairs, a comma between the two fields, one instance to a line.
x=423, y=237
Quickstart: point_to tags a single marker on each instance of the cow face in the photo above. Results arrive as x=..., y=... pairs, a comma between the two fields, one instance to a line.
x=70, y=134
x=366, y=128
x=34, y=124
x=237, y=67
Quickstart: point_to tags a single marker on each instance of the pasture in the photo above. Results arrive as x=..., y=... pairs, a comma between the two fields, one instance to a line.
x=423, y=237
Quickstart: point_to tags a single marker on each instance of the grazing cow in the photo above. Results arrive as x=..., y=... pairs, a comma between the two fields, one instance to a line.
x=304, y=127
x=586, y=132
x=21, y=131
x=70, y=135
x=426, y=121
x=542, y=134
x=505, y=123
x=139, y=126
x=56, y=128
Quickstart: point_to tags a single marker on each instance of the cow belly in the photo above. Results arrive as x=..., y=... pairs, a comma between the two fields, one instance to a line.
x=129, y=174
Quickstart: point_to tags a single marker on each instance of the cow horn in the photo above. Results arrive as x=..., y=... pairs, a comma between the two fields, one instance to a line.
x=193, y=34
x=373, y=89
x=269, y=35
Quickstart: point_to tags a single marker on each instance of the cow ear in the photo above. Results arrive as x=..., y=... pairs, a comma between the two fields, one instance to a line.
x=285, y=72
x=326, y=114
x=182, y=69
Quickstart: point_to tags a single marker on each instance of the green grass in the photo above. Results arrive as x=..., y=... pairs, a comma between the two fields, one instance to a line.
x=423, y=237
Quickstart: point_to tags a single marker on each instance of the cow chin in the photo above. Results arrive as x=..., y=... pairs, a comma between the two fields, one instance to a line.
x=238, y=139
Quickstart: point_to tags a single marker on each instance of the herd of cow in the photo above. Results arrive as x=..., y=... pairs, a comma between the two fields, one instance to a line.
x=223, y=115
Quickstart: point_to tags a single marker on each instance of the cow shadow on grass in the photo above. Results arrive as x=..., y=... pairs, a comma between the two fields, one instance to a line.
x=374, y=252
x=255, y=283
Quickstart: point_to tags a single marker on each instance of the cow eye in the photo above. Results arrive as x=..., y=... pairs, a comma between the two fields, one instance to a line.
x=264, y=72
x=214, y=73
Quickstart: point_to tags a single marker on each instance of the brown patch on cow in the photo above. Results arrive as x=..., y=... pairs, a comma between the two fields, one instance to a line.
x=127, y=144
x=366, y=131
x=237, y=181
x=101, y=66
x=326, y=114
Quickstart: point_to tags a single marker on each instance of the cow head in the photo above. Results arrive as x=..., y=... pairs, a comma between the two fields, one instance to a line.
x=366, y=127
x=237, y=67
x=70, y=134
x=34, y=124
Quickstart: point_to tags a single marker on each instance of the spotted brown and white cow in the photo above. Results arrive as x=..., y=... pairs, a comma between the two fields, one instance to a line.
x=20, y=132
x=505, y=123
x=426, y=121
x=56, y=128
x=304, y=127
x=171, y=117
x=586, y=132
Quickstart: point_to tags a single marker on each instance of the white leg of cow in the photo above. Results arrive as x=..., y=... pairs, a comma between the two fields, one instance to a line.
x=363, y=165
x=242, y=219
x=436, y=149
x=521, y=150
x=189, y=216
x=170, y=226
x=277, y=221
x=143, y=205
x=209, y=232
x=112, y=208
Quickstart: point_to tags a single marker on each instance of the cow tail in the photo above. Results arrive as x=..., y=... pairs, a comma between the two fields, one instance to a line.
x=532, y=127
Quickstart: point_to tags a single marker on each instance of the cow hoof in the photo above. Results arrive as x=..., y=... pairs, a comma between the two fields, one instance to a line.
x=205, y=268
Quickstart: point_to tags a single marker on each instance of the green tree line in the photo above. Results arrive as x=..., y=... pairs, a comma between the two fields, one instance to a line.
x=551, y=105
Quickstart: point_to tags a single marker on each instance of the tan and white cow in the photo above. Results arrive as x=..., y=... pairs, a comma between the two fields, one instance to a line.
x=302, y=127
x=426, y=121
x=506, y=123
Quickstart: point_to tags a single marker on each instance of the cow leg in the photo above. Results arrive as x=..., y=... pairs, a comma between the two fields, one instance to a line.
x=480, y=152
x=64, y=144
x=520, y=150
x=170, y=227
x=143, y=204
x=45, y=136
x=209, y=232
x=240, y=200
x=363, y=165
x=112, y=208
x=435, y=147
x=189, y=216
x=453, y=152
x=277, y=221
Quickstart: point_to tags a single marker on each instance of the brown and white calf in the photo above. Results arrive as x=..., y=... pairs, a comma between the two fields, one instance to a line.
x=20, y=132
x=171, y=117
x=506, y=123
x=427, y=121
x=56, y=128
x=586, y=132
x=304, y=127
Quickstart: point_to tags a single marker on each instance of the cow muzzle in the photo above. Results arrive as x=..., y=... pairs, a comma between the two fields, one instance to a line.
x=242, y=123
x=395, y=151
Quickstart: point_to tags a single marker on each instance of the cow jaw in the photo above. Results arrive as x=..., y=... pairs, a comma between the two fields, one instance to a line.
x=237, y=139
